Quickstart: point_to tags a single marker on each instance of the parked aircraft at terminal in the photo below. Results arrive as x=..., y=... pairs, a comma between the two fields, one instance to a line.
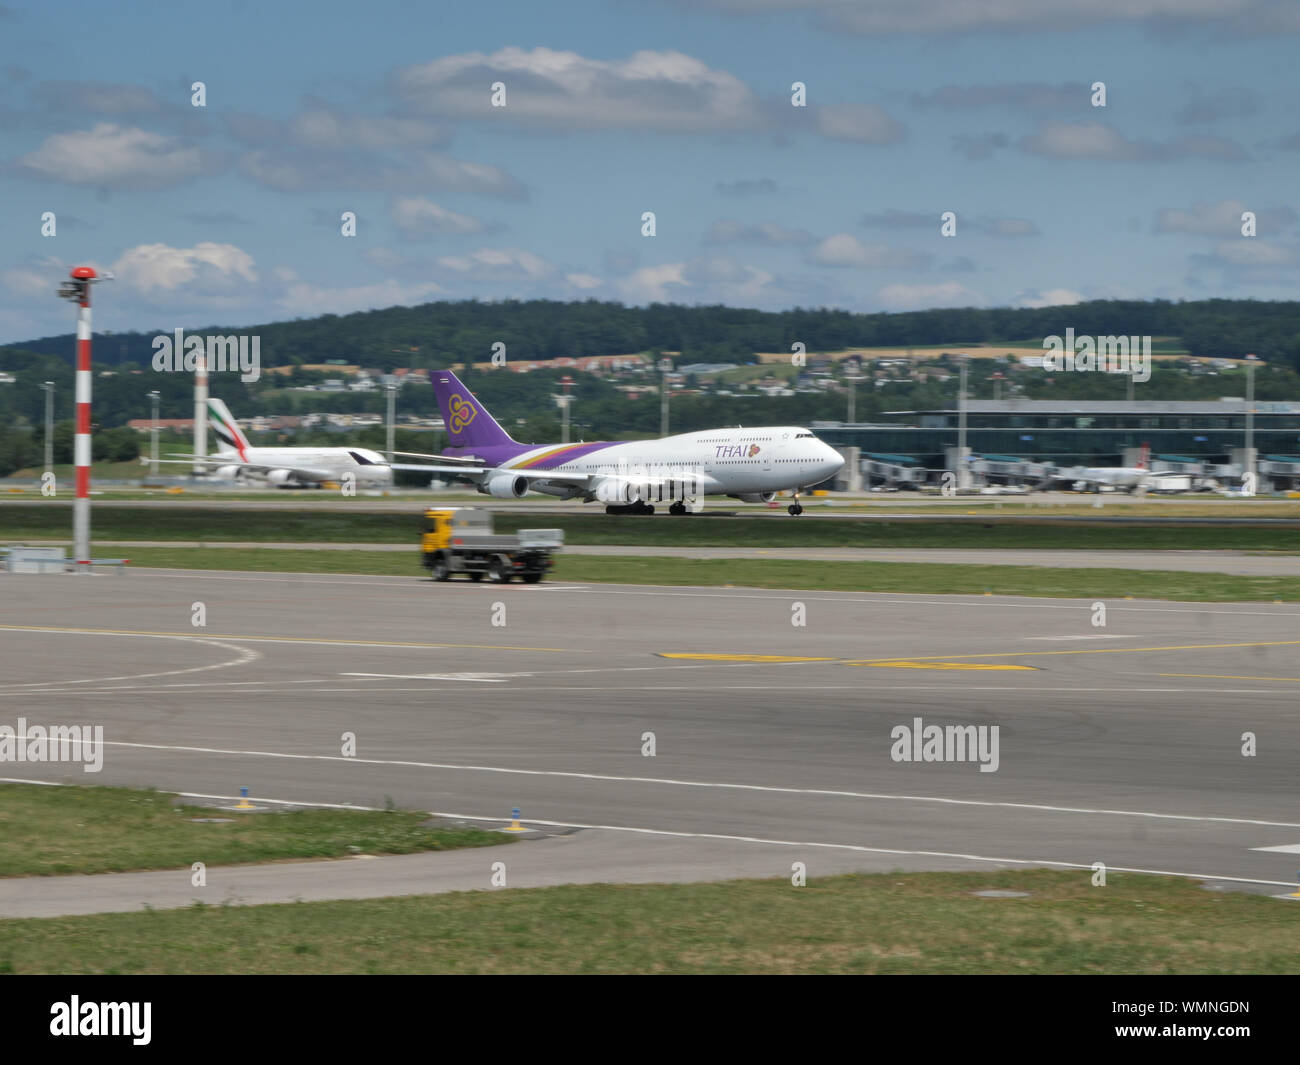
x=1102, y=478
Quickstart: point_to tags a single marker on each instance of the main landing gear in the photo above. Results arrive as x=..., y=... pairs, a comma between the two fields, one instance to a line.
x=630, y=508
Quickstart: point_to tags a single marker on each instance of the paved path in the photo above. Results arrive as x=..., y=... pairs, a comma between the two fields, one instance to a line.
x=587, y=857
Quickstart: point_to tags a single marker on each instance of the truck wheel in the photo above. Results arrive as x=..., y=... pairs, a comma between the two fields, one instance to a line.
x=476, y=575
x=532, y=578
x=499, y=571
x=438, y=568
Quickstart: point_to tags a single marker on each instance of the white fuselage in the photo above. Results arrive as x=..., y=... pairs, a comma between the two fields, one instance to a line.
x=312, y=464
x=1118, y=476
x=723, y=461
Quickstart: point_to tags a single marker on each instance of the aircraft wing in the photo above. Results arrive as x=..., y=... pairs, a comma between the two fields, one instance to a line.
x=310, y=473
x=418, y=468
x=449, y=459
x=475, y=473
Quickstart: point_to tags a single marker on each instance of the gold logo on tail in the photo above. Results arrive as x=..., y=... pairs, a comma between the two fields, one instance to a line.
x=462, y=413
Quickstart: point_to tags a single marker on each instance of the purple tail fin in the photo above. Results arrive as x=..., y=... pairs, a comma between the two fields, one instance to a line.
x=467, y=420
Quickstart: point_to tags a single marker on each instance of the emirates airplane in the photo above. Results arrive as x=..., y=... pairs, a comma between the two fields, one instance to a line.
x=286, y=467
x=747, y=464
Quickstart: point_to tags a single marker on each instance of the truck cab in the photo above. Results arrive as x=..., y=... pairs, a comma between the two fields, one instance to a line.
x=461, y=540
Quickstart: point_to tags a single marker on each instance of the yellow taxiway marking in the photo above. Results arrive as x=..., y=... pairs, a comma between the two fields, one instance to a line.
x=943, y=661
x=279, y=639
x=1105, y=650
x=1225, y=676
x=741, y=658
x=934, y=665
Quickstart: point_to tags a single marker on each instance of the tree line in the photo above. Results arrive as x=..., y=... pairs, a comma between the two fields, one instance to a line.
x=436, y=334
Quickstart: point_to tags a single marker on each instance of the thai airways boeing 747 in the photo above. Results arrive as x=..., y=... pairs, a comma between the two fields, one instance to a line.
x=631, y=477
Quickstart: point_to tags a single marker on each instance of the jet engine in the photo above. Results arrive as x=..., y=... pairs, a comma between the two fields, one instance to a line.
x=506, y=486
x=755, y=497
x=279, y=477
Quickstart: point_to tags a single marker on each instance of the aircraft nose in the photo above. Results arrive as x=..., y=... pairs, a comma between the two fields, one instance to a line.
x=833, y=459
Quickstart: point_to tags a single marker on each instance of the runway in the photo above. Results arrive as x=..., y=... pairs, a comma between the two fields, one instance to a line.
x=1120, y=744
x=1238, y=563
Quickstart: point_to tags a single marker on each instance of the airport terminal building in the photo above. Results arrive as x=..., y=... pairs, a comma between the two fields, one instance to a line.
x=1021, y=436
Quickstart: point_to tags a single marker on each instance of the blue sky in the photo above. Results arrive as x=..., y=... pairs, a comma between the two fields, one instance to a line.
x=230, y=213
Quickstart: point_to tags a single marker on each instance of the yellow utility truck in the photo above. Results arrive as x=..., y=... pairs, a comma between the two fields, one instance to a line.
x=460, y=540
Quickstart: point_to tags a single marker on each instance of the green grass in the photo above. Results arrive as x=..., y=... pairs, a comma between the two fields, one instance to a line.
x=46, y=831
x=894, y=923
x=65, y=473
x=913, y=578
x=361, y=526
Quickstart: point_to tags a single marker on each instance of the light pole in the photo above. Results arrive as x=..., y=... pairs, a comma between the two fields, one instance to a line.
x=565, y=383
x=48, y=389
x=665, y=368
x=390, y=387
x=963, y=468
x=1249, y=471
x=78, y=290
x=153, y=435
x=853, y=380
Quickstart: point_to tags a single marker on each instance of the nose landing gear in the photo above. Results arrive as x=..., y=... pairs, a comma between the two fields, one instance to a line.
x=795, y=508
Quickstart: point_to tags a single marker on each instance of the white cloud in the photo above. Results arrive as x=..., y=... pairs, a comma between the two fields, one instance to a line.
x=326, y=127
x=726, y=280
x=1096, y=140
x=417, y=216
x=648, y=90
x=1252, y=252
x=114, y=157
x=900, y=297
x=498, y=264
x=1009, y=227
x=301, y=298
x=864, y=123
x=1032, y=96
x=845, y=250
x=583, y=281
x=294, y=170
x=36, y=279
x=152, y=268
x=650, y=284
x=1222, y=219
x=1052, y=297
x=730, y=231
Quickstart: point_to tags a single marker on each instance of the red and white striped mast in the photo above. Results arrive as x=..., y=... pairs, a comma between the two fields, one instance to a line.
x=78, y=289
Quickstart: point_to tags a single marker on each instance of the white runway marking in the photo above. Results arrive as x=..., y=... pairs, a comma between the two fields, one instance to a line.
x=245, y=655
x=672, y=782
x=1285, y=848
x=484, y=678
x=1089, y=636
x=698, y=688
x=811, y=845
x=673, y=591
